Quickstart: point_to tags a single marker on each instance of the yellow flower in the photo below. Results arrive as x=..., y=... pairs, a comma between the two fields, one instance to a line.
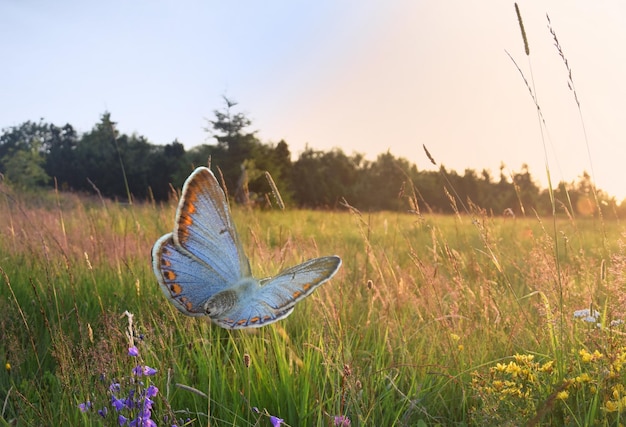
x=562, y=395
x=583, y=378
x=547, y=367
x=615, y=405
x=611, y=406
x=590, y=357
x=7, y=367
x=513, y=369
x=585, y=355
x=524, y=357
x=455, y=337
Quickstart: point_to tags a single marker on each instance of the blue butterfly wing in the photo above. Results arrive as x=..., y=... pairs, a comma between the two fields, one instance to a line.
x=274, y=298
x=203, y=255
x=187, y=282
x=204, y=227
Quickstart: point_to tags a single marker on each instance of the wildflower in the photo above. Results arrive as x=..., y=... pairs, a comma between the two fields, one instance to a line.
x=117, y=403
x=501, y=367
x=7, y=367
x=524, y=357
x=562, y=395
x=547, y=367
x=152, y=391
x=341, y=421
x=148, y=371
x=133, y=351
x=589, y=357
x=121, y=419
x=84, y=407
x=583, y=378
x=276, y=422
x=587, y=315
x=513, y=369
x=103, y=412
x=147, y=404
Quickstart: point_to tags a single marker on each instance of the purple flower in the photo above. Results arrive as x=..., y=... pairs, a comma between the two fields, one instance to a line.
x=142, y=422
x=122, y=420
x=117, y=403
x=138, y=370
x=103, y=412
x=84, y=407
x=276, y=422
x=133, y=351
x=341, y=421
x=152, y=391
x=147, y=404
x=115, y=387
x=148, y=371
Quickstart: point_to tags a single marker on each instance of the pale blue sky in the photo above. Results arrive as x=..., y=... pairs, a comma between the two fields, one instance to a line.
x=366, y=76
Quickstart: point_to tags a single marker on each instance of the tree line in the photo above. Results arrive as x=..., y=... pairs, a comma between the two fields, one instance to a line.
x=35, y=155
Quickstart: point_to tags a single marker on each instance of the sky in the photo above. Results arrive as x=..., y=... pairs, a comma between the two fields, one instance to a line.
x=366, y=76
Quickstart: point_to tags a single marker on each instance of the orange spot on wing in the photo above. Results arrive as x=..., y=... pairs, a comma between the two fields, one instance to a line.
x=185, y=301
x=255, y=320
x=242, y=322
x=169, y=274
x=306, y=286
x=176, y=288
x=296, y=294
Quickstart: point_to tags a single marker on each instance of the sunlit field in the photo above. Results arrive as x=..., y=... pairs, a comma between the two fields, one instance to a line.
x=432, y=320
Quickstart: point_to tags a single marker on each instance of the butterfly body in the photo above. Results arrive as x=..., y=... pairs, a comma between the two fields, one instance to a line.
x=202, y=269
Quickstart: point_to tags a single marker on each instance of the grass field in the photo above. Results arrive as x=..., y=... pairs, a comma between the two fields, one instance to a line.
x=432, y=320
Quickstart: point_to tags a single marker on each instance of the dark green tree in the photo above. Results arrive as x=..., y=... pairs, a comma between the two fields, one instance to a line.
x=60, y=152
x=98, y=160
x=22, y=156
x=527, y=191
x=386, y=183
x=167, y=166
x=235, y=145
x=322, y=179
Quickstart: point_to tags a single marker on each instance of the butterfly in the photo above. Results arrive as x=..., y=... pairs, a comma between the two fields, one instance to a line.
x=203, y=271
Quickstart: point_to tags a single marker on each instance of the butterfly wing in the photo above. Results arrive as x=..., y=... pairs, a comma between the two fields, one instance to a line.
x=205, y=228
x=274, y=298
x=187, y=282
x=203, y=255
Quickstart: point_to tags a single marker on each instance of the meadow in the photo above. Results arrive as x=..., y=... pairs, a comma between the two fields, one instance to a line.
x=467, y=319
